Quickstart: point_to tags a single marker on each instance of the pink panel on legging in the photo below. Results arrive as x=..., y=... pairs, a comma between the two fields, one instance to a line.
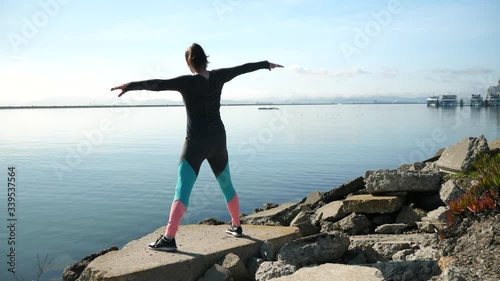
x=176, y=212
x=234, y=210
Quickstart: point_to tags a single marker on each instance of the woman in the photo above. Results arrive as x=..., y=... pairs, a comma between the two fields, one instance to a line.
x=205, y=138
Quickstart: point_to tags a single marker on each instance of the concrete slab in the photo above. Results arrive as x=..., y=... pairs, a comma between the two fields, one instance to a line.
x=199, y=247
x=333, y=271
x=368, y=203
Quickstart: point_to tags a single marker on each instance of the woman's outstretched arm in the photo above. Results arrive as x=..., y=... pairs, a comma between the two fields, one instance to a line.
x=229, y=73
x=174, y=84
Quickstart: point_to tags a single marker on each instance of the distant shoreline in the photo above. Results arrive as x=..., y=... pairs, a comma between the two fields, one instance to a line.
x=181, y=105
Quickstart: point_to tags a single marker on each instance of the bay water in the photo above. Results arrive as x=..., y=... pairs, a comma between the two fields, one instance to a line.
x=90, y=178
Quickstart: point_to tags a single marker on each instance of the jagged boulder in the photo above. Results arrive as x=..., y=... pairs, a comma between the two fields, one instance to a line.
x=315, y=249
x=437, y=217
x=235, y=265
x=211, y=221
x=362, y=254
x=273, y=269
x=393, y=228
x=408, y=216
x=217, y=273
x=407, y=270
x=388, y=248
x=306, y=223
x=340, y=192
x=312, y=199
x=281, y=215
x=450, y=191
x=332, y=211
x=382, y=181
x=353, y=224
x=460, y=156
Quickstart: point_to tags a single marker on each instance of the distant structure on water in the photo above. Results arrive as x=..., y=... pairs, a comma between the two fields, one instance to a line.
x=492, y=99
x=493, y=96
x=476, y=100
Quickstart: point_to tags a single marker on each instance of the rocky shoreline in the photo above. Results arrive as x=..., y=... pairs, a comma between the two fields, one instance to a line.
x=386, y=225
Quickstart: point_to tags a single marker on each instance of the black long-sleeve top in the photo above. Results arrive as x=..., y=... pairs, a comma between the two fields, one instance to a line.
x=201, y=96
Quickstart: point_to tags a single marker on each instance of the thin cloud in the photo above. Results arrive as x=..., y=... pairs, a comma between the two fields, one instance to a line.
x=389, y=71
x=463, y=72
x=351, y=72
x=447, y=75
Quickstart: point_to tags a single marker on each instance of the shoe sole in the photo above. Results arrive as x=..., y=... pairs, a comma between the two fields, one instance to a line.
x=235, y=234
x=163, y=249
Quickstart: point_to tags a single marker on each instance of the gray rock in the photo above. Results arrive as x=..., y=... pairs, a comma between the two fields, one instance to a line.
x=407, y=270
x=394, y=228
x=311, y=199
x=235, y=265
x=333, y=271
x=425, y=253
x=217, y=273
x=267, y=251
x=352, y=224
x=73, y=272
x=305, y=222
x=426, y=227
x=437, y=217
x=211, y=221
x=394, y=180
x=315, y=249
x=332, y=211
x=450, y=191
x=372, y=204
x=407, y=216
x=459, y=157
x=269, y=206
x=273, y=269
x=431, y=167
x=340, y=192
x=389, y=248
x=417, y=166
x=362, y=254
x=402, y=254
x=281, y=215
x=404, y=167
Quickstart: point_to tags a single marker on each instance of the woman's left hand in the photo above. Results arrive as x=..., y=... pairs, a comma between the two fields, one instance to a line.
x=274, y=65
x=121, y=87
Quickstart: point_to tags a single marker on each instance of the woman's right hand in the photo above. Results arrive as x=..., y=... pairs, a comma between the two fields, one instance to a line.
x=121, y=87
x=274, y=65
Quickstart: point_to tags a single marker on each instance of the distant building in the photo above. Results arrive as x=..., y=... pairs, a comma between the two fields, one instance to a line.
x=493, y=96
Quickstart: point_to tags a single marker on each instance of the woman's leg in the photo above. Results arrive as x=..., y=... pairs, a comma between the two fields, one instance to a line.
x=230, y=195
x=218, y=160
x=191, y=158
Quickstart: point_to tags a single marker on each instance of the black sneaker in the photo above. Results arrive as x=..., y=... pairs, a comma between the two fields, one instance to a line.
x=162, y=244
x=235, y=230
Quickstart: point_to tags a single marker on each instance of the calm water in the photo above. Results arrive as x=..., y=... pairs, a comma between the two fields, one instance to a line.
x=91, y=178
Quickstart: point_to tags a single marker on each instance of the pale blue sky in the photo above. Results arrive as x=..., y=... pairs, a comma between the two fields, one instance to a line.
x=73, y=51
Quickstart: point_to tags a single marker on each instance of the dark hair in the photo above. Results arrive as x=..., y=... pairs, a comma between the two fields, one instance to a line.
x=196, y=57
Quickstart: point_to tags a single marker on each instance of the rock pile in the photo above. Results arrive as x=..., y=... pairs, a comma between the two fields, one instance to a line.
x=383, y=224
